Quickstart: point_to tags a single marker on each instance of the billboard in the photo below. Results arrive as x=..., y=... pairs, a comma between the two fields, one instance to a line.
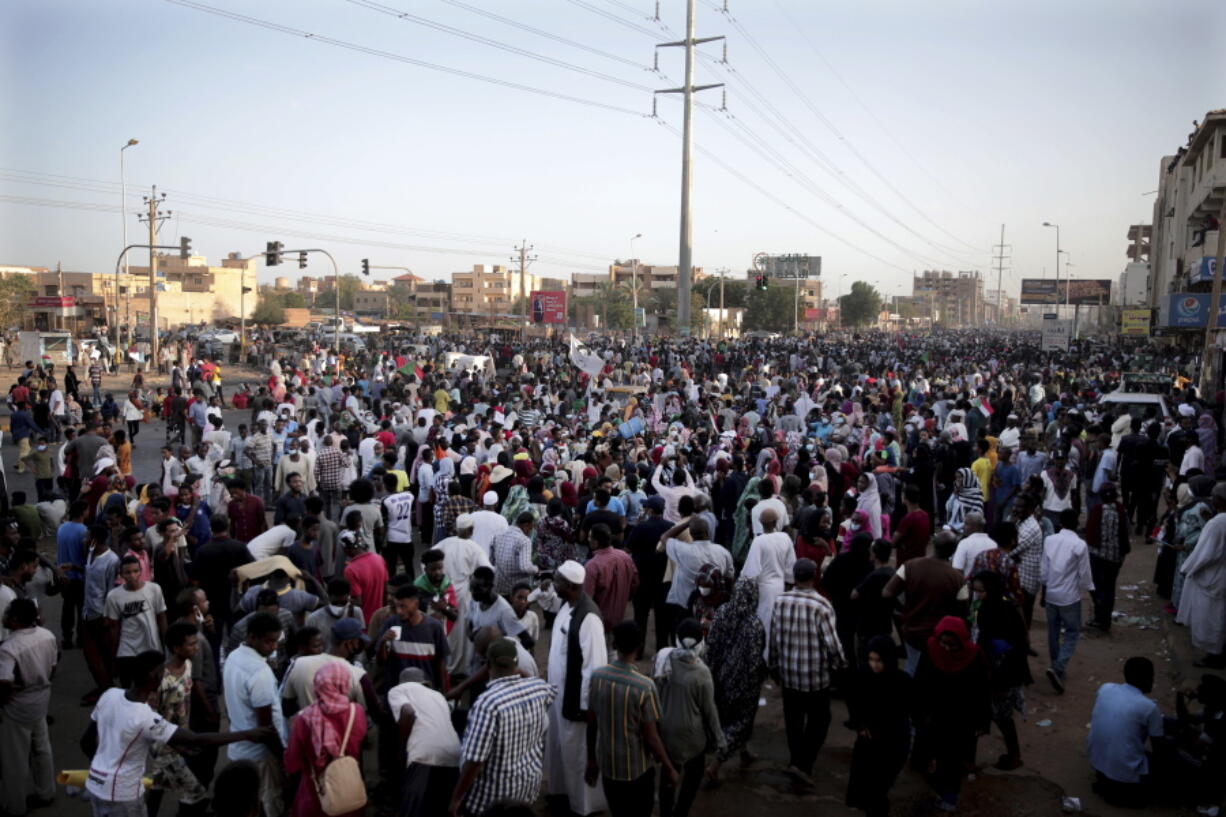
x=1083, y=291
x=549, y=306
x=1188, y=310
x=1203, y=271
x=1135, y=322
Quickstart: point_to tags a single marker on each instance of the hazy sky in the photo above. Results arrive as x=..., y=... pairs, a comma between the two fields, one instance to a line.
x=945, y=118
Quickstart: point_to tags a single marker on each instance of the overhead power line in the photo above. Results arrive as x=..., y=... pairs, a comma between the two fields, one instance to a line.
x=608, y=15
x=374, y=52
x=408, y=17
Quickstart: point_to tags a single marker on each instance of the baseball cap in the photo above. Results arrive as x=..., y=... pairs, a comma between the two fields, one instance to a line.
x=349, y=628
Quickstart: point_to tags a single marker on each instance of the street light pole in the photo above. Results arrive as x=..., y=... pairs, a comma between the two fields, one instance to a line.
x=1066, y=288
x=123, y=216
x=634, y=286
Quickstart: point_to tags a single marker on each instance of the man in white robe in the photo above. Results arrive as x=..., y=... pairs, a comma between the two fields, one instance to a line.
x=566, y=746
x=461, y=556
x=1202, y=606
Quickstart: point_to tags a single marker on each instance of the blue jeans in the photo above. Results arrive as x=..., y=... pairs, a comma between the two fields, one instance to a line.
x=913, y=659
x=1067, y=618
x=261, y=482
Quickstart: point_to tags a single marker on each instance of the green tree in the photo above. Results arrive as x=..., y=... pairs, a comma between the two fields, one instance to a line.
x=292, y=300
x=349, y=285
x=734, y=292
x=15, y=292
x=269, y=310
x=861, y=305
x=770, y=310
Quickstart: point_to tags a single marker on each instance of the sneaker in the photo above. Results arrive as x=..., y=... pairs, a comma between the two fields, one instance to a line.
x=1007, y=763
x=1057, y=683
x=1207, y=811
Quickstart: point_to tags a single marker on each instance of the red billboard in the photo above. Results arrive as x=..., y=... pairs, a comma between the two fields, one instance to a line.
x=549, y=306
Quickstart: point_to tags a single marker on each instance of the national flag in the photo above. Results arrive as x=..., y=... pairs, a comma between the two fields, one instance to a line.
x=584, y=359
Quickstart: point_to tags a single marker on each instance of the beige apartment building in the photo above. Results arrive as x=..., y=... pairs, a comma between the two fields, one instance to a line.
x=189, y=292
x=490, y=289
x=954, y=298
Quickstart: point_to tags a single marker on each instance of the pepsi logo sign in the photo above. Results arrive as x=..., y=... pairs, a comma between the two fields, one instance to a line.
x=1187, y=307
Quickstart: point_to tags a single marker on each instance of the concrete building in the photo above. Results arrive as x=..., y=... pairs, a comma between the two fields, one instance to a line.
x=1134, y=283
x=434, y=299
x=189, y=292
x=955, y=298
x=1191, y=190
x=372, y=303
x=650, y=276
x=490, y=289
x=586, y=284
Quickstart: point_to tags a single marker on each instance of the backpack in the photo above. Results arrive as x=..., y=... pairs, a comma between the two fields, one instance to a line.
x=340, y=787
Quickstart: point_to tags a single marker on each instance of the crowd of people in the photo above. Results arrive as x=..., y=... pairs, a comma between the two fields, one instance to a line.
x=569, y=574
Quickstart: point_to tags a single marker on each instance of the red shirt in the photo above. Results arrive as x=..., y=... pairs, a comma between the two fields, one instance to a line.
x=247, y=519
x=367, y=576
x=611, y=580
x=913, y=533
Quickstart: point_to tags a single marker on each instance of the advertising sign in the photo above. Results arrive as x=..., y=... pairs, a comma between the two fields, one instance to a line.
x=1135, y=322
x=1188, y=310
x=1056, y=335
x=1204, y=270
x=549, y=306
x=812, y=314
x=1084, y=291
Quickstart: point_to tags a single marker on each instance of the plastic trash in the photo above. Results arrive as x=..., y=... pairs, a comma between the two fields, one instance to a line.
x=1045, y=722
x=1070, y=805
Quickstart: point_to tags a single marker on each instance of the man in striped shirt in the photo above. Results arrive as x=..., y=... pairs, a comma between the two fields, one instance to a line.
x=502, y=756
x=621, y=730
x=803, y=651
x=413, y=639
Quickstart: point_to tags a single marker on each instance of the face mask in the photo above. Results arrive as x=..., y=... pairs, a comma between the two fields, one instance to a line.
x=42, y=448
x=336, y=609
x=705, y=591
x=689, y=643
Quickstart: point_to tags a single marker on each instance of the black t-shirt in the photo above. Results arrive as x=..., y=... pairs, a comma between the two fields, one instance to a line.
x=604, y=516
x=874, y=614
x=641, y=541
x=211, y=567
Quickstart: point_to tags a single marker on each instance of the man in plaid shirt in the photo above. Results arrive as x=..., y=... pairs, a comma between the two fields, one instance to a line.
x=329, y=465
x=803, y=650
x=1028, y=553
x=456, y=506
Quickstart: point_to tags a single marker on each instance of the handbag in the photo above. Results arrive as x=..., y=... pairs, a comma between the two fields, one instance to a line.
x=340, y=787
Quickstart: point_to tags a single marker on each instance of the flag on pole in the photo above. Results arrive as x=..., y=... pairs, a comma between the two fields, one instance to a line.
x=584, y=359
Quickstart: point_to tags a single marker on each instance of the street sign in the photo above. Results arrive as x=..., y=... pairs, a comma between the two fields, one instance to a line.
x=1050, y=316
x=1056, y=335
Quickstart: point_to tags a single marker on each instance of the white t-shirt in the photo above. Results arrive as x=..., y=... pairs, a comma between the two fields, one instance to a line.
x=968, y=549
x=137, y=612
x=755, y=516
x=433, y=741
x=399, y=517
x=299, y=684
x=487, y=525
x=126, y=730
x=271, y=542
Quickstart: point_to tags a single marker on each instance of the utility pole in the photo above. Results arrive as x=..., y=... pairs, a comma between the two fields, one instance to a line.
x=1209, y=373
x=685, y=260
x=1000, y=276
x=523, y=249
x=723, y=316
x=153, y=218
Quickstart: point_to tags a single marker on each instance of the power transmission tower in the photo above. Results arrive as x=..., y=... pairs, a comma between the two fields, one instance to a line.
x=685, y=260
x=154, y=219
x=1000, y=257
x=524, y=260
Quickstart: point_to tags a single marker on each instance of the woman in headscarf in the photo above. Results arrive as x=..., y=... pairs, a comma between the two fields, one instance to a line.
x=555, y=539
x=953, y=707
x=1192, y=516
x=1000, y=631
x=1206, y=433
x=967, y=498
x=331, y=727
x=836, y=485
x=880, y=709
x=743, y=531
x=869, y=501
x=842, y=576
x=734, y=652
x=516, y=503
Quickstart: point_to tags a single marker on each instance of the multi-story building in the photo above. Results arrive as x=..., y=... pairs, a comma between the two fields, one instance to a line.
x=650, y=276
x=587, y=284
x=955, y=298
x=433, y=299
x=490, y=289
x=189, y=291
x=1133, y=289
x=1191, y=192
x=373, y=303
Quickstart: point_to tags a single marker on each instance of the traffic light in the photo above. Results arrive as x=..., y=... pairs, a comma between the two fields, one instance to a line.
x=302, y=259
x=272, y=253
x=185, y=247
x=760, y=282
x=366, y=267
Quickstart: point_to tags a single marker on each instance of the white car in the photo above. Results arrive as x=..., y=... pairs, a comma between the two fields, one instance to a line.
x=1135, y=403
x=219, y=336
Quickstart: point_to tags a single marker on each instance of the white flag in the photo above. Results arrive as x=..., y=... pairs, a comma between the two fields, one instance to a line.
x=585, y=360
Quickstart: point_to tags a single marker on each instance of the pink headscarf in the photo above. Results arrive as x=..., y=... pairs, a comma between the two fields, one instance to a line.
x=327, y=718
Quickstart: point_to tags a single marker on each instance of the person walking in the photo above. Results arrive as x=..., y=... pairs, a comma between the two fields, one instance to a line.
x=689, y=720
x=803, y=654
x=1107, y=539
x=933, y=589
x=1065, y=574
x=880, y=709
x=770, y=560
x=622, y=732
x=252, y=702
x=330, y=728
x=1202, y=607
x=736, y=646
x=27, y=662
x=1000, y=631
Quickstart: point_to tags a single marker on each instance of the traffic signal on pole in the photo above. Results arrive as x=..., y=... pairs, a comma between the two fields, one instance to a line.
x=760, y=282
x=185, y=247
x=366, y=267
x=302, y=260
x=272, y=253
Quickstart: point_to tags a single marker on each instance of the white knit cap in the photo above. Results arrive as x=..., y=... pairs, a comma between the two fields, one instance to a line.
x=572, y=571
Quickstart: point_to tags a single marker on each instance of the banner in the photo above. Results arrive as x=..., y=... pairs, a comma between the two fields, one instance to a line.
x=549, y=306
x=1083, y=291
x=1056, y=335
x=1135, y=322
